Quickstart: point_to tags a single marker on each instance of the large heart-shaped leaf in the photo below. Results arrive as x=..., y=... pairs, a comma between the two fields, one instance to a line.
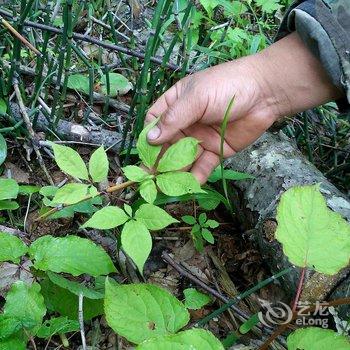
x=309, y=231
x=11, y=248
x=70, y=162
x=313, y=338
x=140, y=312
x=179, y=155
x=118, y=84
x=193, y=339
x=70, y=254
x=153, y=217
x=80, y=83
x=136, y=242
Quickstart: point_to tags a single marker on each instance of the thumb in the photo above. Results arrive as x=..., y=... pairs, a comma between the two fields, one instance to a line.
x=184, y=112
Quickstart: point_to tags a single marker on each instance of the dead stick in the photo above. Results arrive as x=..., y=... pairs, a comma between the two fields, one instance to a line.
x=30, y=130
x=19, y=36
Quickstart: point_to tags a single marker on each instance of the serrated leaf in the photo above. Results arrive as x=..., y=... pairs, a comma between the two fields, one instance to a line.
x=99, y=165
x=140, y=312
x=189, y=219
x=79, y=83
x=57, y=325
x=148, y=153
x=70, y=162
x=178, y=184
x=118, y=84
x=54, y=295
x=70, y=254
x=153, y=217
x=193, y=339
x=74, y=287
x=135, y=173
x=313, y=338
x=8, y=189
x=136, y=242
x=207, y=235
x=11, y=248
x=74, y=193
x=148, y=191
x=228, y=175
x=211, y=223
x=309, y=231
x=3, y=148
x=179, y=155
x=202, y=218
x=269, y=6
x=195, y=300
x=25, y=303
x=8, y=205
x=8, y=326
x=107, y=218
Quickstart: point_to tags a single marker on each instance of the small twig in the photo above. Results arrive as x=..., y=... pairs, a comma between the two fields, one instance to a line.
x=27, y=212
x=19, y=36
x=30, y=130
x=81, y=321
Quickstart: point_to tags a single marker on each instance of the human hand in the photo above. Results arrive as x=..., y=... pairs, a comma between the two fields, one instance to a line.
x=281, y=80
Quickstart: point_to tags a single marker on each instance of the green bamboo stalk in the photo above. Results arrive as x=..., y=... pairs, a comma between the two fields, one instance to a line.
x=242, y=296
x=108, y=87
x=68, y=23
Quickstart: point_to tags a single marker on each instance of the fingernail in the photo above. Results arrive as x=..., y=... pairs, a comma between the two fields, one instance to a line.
x=154, y=133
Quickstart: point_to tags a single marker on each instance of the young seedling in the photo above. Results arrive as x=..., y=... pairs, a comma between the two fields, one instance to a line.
x=200, y=229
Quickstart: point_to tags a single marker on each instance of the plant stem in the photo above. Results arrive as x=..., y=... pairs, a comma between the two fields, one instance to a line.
x=300, y=287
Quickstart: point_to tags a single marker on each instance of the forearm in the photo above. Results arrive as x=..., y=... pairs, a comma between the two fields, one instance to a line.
x=294, y=77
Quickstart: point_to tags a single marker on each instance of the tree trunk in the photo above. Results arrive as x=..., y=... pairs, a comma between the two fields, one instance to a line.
x=277, y=165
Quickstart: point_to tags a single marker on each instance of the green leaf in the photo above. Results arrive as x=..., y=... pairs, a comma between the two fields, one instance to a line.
x=210, y=200
x=79, y=83
x=140, y=312
x=195, y=300
x=207, y=235
x=99, y=165
x=48, y=191
x=25, y=303
x=135, y=173
x=148, y=153
x=57, y=325
x=8, y=189
x=12, y=344
x=74, y=193
x=28, y=189
x=8, y=205
x=11, y=248
x=193, y=339
x=3, y=107
x=74, y=287
x=179, y=155
x=211, y=224
x=107, y=218
x=228, y=175
x=54, y=295
x=8, y=326
x=128, y=209
x=209, y=5
x=3, y=147
x=118, y=84
x=177, y=184
x=153, y=217
x=313, y=338
x=70, y=254
x=70, y=162
x=136, y=242
x=269, y=6
x=309, y=231
x=249, y=324
x=148, y=191
x=202, y=219
x=189, y=219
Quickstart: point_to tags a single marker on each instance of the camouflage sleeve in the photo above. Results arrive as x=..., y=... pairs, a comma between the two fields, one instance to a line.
x=324, y=26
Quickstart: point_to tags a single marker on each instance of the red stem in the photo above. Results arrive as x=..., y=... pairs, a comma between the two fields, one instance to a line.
x=300, y=287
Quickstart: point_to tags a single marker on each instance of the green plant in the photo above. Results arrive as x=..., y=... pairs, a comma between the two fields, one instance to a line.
x=200, y=231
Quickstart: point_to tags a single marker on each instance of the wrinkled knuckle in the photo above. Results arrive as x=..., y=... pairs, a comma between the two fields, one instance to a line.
x=169, y=118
